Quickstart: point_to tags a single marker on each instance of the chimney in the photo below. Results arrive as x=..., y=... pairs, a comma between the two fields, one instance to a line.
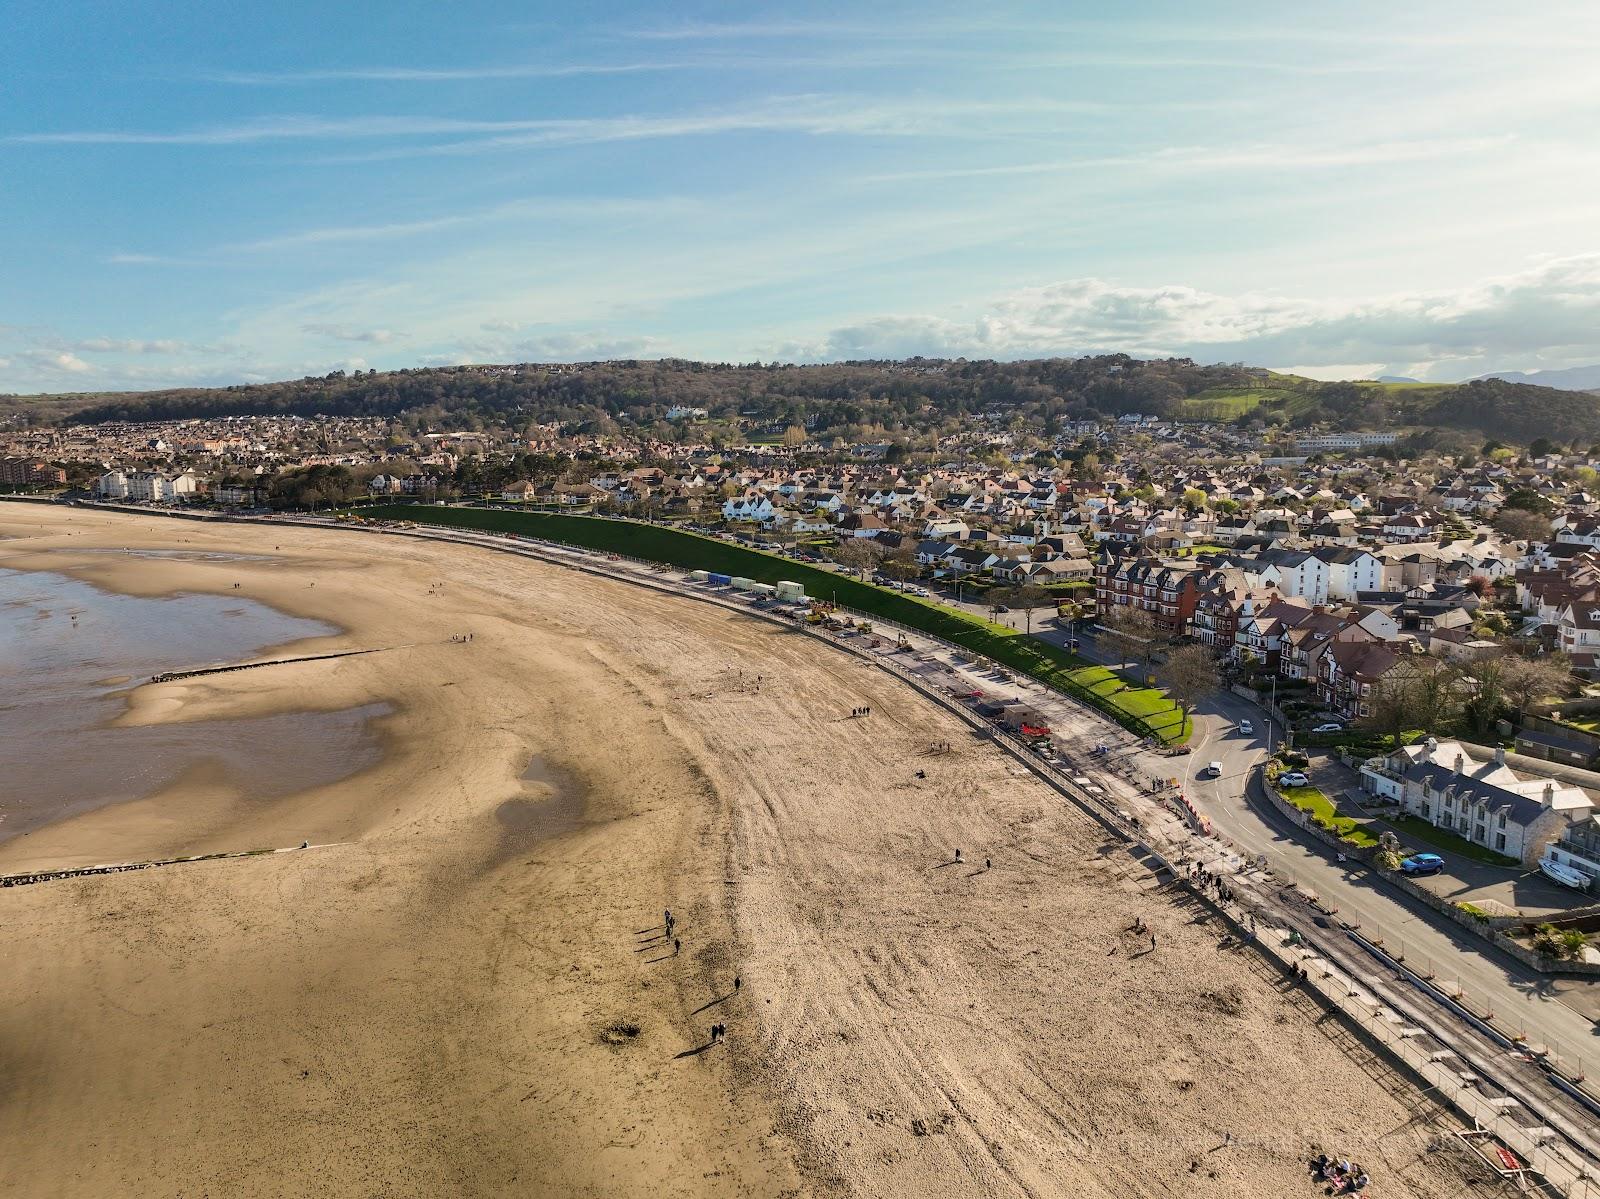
x=1549, y=794
x=1500, y=756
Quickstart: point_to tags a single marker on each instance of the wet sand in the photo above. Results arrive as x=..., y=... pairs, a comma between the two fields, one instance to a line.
x=466, y=991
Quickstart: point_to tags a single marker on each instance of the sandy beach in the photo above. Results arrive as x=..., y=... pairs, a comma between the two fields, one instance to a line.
x=461, y=988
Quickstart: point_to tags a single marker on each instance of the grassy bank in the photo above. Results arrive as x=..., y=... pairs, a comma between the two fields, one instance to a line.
x=1142, y=709
x=1323, y=814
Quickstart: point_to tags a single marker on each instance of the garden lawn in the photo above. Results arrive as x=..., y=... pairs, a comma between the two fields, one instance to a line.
x=1322, y=812
x=1143, y=710
x=1420, y=830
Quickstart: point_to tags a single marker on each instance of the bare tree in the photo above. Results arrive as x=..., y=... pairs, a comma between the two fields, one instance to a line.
x=1128, y=632
x=1417, y=693
x=1027, y=597
x=859, y=554
x=1190, y=675
x=1522, y=525
x=1526, y=681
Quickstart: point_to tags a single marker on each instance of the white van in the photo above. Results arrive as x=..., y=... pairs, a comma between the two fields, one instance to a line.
x=1214, y=770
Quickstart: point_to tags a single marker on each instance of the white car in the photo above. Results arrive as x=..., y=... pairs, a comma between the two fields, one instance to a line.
x=1293, y=779
x=1214, y=769
x=1246, y=729
x=1565, y=875
x=1329, y=728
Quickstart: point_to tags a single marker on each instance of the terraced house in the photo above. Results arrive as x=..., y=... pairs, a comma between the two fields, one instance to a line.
x=1167, y=590
x=1482, y=799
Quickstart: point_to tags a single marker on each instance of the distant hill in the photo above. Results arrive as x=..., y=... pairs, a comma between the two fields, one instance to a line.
x=1397, y=379
x=855, y=399
x=1573, y=378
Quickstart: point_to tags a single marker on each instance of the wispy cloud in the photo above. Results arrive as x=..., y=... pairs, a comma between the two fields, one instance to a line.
x=1285, y=156
x=378, y=337
x=396, y=74
x=816, y=114
x=127, y=345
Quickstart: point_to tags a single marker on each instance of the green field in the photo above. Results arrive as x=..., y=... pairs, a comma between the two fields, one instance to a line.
x=1144, y=710
x=1226, y=403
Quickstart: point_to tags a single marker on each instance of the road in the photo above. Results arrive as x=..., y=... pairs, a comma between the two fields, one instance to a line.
x=1552, y=1012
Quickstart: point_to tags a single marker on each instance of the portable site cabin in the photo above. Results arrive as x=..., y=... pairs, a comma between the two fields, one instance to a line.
x=766, y=589
x=794, y=592
x=699, y=576
x=719, y=580
x=740, y=583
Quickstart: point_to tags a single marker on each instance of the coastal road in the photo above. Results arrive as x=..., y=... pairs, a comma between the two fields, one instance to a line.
x=1558, y=1013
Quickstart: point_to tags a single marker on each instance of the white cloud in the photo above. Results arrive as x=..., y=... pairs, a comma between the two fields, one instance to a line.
x=1548, y=315
x=55, y=362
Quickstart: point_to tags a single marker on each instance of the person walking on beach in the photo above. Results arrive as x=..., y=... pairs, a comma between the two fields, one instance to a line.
x=676, y=946
x=737, y=983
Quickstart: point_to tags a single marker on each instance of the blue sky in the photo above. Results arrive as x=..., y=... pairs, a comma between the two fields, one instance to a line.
x=193, y=193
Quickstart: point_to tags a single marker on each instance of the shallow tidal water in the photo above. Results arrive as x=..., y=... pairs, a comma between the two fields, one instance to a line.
x=69, y=652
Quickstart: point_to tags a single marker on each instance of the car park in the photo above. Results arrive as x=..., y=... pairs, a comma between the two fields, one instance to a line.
x=1420, y=864
x=1293, y=779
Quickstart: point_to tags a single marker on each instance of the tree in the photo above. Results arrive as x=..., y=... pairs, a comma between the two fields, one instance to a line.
x=1128, y=632
x=1416, y=693
x=1190, y=675
x=794, y=436
x=1027, y=597
x=1520, y=524
x=859, y=554
x=1526, y=681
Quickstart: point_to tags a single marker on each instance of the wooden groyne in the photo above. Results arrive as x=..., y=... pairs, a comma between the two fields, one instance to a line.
x=50, y=876
x=174, y=675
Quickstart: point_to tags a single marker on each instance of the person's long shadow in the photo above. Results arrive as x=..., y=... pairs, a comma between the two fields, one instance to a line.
x=666, y=957
x=695, y=1052
x=713, y=1003
x=654, y=943
x=942, y=865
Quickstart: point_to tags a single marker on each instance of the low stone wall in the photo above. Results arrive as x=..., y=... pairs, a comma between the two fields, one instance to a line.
x=1478, y=927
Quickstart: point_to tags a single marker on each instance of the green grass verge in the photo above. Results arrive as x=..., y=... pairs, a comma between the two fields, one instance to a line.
x=1144, y=710
x=1323, y=814
x=1415, y=828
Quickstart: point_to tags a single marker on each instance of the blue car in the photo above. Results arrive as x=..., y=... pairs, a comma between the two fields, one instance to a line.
x=1423, y=863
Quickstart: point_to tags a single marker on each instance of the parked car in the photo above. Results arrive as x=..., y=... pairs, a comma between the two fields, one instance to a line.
x=1565, y=875
x=1246, y=729
x=1293, y=779
x=1330, y=727
x=1422, y=863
